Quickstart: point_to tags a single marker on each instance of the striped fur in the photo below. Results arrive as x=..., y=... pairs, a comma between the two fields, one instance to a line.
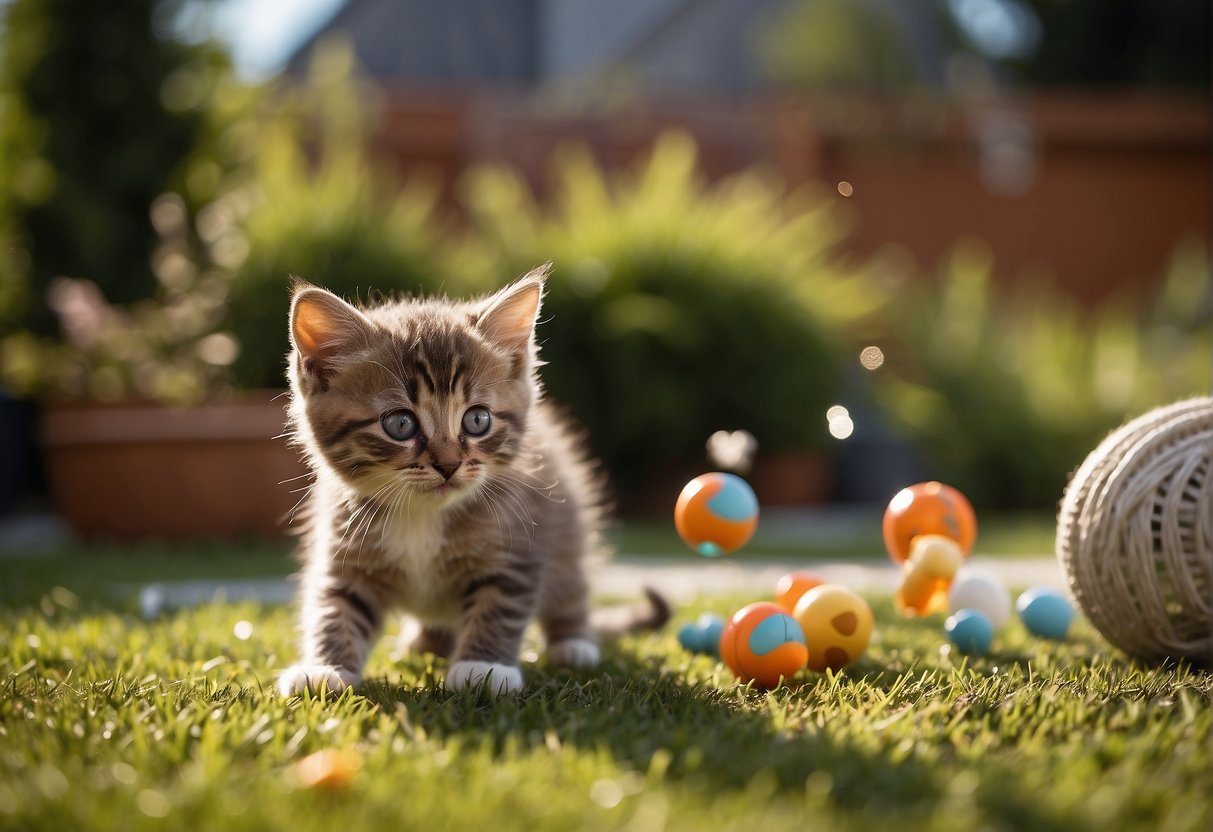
x=474, y=558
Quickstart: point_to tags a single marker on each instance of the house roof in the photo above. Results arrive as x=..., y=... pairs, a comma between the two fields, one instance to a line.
x=699, y=44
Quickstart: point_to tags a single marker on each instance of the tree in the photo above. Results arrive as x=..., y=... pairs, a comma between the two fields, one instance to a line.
x=98, y=117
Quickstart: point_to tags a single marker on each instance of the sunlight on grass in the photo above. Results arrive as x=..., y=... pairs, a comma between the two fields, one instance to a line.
x=109, y=721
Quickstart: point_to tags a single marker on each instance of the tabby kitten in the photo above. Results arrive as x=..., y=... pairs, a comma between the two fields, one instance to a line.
x=444, y=486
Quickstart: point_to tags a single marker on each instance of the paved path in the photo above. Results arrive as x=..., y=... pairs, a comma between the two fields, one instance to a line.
x=679, y=579
x=682, y=579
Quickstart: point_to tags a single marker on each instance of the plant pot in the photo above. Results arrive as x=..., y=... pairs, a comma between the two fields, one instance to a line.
x=147, y=470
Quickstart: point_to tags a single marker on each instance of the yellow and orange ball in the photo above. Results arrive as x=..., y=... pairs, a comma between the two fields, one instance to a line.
x=933, y=564
x=837, y=626
x=762, y=643
x=716, y=514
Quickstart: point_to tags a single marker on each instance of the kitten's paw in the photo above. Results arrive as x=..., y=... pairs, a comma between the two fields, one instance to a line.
x=575, y=652
x=502, y=678
x=317, y=677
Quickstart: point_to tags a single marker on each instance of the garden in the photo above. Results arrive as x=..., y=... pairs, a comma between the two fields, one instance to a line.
x=678, y=306
x=111, y=720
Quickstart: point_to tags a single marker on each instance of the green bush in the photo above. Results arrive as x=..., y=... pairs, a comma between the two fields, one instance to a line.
x=1006, y=392
x=674, y=309
x=321, y=211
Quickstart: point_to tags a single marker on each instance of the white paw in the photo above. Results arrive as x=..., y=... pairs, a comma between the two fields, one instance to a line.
x=502, y=678
x=317, y=677
x=575, y=652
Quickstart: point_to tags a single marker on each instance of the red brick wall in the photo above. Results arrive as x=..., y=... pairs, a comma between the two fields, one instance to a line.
x=1116, y=181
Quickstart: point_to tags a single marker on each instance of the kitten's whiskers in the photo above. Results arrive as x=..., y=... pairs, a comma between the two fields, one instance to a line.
x=516, y=503
x=353, y=522
x=392, y=373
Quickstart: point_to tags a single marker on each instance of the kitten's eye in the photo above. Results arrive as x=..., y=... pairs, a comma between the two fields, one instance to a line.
x=400, y=425
x=477, y=421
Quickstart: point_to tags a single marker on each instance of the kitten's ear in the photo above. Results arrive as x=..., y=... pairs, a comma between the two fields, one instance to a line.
x=323, y=325
x=509, y=316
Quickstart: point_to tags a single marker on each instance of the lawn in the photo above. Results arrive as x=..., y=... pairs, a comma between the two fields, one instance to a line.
x=110, y=721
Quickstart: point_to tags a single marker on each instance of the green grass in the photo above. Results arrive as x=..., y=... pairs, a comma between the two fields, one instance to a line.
x=108, y=721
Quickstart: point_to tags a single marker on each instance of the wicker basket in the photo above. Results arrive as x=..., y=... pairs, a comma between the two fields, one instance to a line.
x=1135, y=534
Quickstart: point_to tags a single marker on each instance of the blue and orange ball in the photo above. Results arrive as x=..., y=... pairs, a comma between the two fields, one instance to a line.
x=762, y=644
x=716, y=514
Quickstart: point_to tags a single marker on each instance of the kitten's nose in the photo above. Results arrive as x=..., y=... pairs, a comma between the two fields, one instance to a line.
x=447, y=469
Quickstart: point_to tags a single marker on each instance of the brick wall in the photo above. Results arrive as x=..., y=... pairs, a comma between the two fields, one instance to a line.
x=1092, y=190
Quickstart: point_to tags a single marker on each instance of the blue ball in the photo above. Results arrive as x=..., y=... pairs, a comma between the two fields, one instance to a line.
x=970, y=631
x=691, y=638
x=702, y=636
x=711, y=628
x=1046, y=612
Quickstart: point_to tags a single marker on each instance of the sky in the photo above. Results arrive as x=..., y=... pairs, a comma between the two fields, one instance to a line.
x=261, y=33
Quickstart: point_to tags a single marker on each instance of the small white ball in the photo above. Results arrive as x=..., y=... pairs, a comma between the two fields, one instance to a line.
x=152, y=600
x=981, y=591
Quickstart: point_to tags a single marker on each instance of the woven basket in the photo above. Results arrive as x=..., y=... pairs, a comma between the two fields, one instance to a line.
x=1135, y=534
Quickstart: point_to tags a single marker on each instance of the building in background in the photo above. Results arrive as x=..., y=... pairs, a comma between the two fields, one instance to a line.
x=947, y=120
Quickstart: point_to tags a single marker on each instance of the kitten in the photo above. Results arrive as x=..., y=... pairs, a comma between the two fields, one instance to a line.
x=444, y=486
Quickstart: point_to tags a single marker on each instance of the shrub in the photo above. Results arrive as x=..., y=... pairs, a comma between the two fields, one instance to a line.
x=169, y=348
x=320, y=210
x=674, y=309
x=1006, y=392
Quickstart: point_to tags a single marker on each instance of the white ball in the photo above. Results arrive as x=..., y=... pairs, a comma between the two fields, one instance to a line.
x=980, y=591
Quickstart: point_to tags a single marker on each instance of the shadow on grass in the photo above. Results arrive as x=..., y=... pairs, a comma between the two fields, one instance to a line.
x=711, y=740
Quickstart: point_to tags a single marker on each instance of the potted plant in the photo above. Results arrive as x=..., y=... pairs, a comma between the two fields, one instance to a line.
x=142, y=432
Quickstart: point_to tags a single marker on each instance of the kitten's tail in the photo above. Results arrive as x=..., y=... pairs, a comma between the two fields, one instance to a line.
x=651, y=614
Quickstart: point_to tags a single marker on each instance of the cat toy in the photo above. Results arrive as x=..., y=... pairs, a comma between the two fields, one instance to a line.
x=716, y=514
x=1135, y=534
x=1045, y=612
x=837, y=626
x=928, y=528
x=763, y=644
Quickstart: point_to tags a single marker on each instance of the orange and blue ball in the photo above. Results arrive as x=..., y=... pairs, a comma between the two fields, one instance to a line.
x=762, y=644
x=716, y=514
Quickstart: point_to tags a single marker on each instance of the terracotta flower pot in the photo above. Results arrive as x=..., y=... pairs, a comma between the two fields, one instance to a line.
x=147, y=470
